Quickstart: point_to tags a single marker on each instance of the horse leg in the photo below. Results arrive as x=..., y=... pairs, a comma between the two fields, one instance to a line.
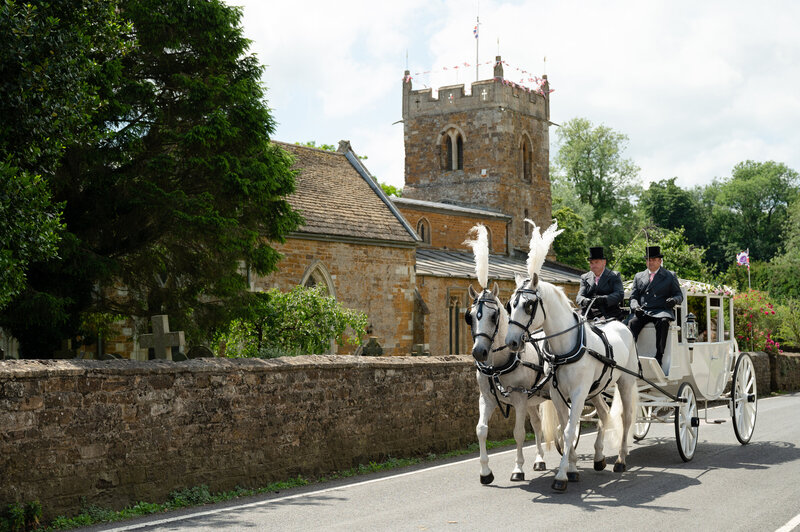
x=602, y=412
x=536, y=423
x=630, y=404
x=518, y=474
x=486, y=406
x=567, y=469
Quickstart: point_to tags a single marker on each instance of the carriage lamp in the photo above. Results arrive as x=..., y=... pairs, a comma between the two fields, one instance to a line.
x=691, y=328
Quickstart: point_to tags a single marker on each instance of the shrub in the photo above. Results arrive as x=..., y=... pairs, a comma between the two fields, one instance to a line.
x=789, y=316
x=756, y=322
x=301, y=321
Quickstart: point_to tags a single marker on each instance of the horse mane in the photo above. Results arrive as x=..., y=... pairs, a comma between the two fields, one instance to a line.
x=558, y=291
x=539, y=246
x=480, y=248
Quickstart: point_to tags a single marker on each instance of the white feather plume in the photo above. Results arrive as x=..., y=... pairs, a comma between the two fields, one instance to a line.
x=480, y=248
x=539, y=246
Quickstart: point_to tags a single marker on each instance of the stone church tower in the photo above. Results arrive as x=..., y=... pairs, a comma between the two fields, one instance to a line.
x=488, y=150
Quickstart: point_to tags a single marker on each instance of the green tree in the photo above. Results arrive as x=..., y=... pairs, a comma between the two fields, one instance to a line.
x=679, y=256
x=669, y=206
x=52, y=54
x=749, y=210
x=590, y=158
x=181, y=196
x=301, y=321
x=570, y=247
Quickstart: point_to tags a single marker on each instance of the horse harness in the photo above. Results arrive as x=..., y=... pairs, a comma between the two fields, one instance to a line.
x=512, y=363
x=554, y=360
x=577, y=353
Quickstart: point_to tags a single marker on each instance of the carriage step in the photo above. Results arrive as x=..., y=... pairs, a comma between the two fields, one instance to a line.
x=717, y=421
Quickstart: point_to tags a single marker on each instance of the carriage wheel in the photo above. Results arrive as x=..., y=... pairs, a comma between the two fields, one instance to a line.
x=743, y=395
x=687, y=424
x=641, y=427
x=559, y=439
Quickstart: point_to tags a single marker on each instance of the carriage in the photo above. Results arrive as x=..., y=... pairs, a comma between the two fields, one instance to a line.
x=700, y=359
x=584, y=361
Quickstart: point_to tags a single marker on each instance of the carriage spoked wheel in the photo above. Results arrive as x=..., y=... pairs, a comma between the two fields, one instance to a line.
x=687, y=423
x=743, y=395
x=640, y=428
x=559, y=439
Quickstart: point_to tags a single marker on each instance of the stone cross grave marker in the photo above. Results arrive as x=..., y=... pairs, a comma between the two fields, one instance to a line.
x=161, y=339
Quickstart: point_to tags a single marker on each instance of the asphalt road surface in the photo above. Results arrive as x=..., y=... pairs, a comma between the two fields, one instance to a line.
x=727, y=486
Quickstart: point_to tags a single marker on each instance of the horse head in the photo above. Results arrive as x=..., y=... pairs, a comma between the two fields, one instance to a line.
x=485, y=316
x=525, y=311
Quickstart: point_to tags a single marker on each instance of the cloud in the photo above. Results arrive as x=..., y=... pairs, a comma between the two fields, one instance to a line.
x=697, y=87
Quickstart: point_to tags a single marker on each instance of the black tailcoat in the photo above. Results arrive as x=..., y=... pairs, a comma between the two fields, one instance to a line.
x=652, y=296
x=610, y=285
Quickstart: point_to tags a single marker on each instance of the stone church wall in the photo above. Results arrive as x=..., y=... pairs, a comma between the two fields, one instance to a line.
x=449, y=231
x=377, y=280
x=118, y=432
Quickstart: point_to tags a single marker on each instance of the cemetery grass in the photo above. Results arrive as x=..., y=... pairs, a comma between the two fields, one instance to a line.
x=200, y=495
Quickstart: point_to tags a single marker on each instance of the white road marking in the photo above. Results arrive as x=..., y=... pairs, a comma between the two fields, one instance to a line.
x=788, y=527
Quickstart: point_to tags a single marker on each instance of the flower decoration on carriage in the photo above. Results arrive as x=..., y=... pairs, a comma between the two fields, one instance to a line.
x=539, y=246
x=700, y=288
x=480, y=248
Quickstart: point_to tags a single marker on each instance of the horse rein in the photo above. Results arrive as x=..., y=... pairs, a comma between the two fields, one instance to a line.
x=480, y=301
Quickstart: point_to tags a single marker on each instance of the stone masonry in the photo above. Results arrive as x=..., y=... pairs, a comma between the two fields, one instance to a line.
x=118, y=432
x=495, y=121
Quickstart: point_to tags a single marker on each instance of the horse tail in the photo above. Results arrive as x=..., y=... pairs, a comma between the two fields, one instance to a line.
x=549, y=417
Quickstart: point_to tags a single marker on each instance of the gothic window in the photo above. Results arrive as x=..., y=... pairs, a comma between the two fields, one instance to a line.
x=526, y=162
x=424, y=230
x=452, y=149
x=317, y=274
x=455, y=318
x=489, y=237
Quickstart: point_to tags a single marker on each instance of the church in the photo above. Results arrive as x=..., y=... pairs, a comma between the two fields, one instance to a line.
x=477, y=157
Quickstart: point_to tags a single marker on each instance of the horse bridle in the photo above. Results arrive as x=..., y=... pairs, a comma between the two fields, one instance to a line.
x=480, y=301
x=530, y=305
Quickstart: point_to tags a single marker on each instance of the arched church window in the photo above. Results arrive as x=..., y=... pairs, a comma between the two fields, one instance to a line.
x=489, y=238
x=424, y=230
x=316, y=274
x=452, y=149
x=526, y=157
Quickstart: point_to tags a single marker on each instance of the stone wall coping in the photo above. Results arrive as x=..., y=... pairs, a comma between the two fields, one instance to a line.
x=30, y=369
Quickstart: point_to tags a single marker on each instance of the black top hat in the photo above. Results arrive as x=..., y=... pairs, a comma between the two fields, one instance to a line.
x=654, y=252
x=596, y=253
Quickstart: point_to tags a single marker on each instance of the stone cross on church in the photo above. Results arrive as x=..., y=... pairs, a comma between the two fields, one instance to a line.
x=162, y=340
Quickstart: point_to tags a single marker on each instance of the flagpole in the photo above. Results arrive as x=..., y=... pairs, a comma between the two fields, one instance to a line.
x=477, y=44
x=748, y=270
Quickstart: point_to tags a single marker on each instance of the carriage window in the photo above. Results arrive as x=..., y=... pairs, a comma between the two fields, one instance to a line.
x=697, y=306
x=715, y=325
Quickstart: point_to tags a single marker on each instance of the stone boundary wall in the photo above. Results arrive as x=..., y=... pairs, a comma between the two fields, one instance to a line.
x=118, y=432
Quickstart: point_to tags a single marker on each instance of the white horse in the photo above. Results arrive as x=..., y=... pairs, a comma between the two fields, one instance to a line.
x=505, y=378
x=581, y=364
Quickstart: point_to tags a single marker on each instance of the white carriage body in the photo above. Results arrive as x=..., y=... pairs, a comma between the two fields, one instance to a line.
x=706, y=363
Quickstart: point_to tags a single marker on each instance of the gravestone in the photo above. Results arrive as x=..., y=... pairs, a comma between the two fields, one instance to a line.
x=162, y=340
x=373, y=348
x=199, y=351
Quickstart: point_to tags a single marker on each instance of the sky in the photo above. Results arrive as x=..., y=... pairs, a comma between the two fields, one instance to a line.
x=696, y=86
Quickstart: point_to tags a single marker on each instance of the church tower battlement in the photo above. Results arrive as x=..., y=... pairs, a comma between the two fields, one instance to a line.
x=489, y=149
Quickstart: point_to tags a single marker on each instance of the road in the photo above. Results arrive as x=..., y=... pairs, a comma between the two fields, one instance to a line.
x=726, y=486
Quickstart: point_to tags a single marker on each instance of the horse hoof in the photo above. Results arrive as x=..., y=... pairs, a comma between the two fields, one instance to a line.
x=599, y=465
x=488, y=479
x=517, y=477
x=559, y=485
x=619, y=467
x=573, y=476
x=539, y=466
